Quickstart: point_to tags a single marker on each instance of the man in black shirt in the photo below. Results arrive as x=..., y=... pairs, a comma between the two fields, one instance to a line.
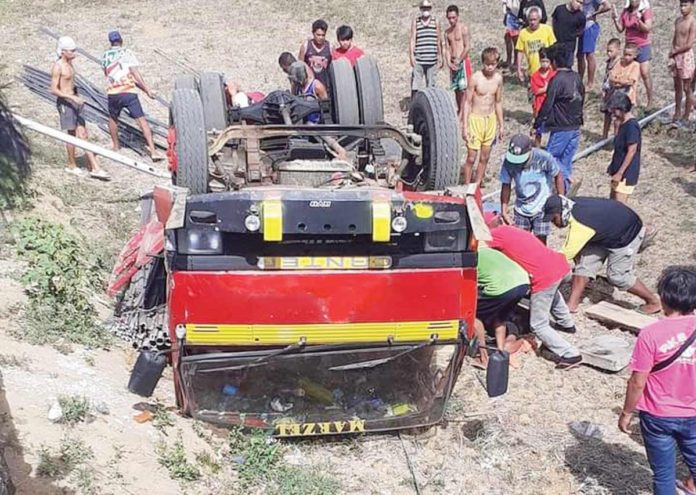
x=624, y=168
x=601, y=230
x=561, y=114
x=568, y=25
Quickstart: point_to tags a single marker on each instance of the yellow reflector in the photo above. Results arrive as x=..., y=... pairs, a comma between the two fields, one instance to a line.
x=323, y=333
x=423, y=210
x=272, y=220
x=381, y=221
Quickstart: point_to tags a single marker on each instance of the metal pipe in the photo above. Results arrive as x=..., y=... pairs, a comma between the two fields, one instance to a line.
x=111, y=155
x=597, y=146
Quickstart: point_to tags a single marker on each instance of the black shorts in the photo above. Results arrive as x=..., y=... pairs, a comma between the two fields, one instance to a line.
x=129, y=101
x=493, y=311
x=71, y=116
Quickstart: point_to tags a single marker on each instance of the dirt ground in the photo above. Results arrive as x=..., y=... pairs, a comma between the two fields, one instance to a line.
x=521, y=443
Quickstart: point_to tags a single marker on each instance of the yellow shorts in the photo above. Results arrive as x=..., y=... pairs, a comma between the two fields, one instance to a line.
x=622, y=187
x=482, y=130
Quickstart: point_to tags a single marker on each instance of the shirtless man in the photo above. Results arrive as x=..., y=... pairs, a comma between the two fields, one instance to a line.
x=286, y=60
x=457, y=46
x=681, y=61
x=71, y=106
x=482, y=118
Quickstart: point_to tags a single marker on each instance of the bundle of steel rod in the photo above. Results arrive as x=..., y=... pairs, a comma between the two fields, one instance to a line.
x=96, y=109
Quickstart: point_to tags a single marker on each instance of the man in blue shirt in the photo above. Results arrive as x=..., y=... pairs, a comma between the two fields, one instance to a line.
x=536, y=175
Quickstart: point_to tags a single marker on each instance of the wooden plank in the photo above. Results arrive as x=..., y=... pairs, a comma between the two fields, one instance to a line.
x=620, y=317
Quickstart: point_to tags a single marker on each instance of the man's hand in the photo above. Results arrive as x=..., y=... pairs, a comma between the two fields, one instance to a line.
x=151, y=94
x=617, y=178
x=625, y=422
x=78, y=100
x=505, y=215
x=614, y=15
x=440, y=63
x=500, y=131
x=520, y=76
x=465, y=134
x=413, y=62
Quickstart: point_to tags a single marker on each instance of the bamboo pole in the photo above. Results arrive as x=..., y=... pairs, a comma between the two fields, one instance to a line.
x=85, y=145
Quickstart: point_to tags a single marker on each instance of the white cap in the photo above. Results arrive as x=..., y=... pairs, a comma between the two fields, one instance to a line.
x=65, y=43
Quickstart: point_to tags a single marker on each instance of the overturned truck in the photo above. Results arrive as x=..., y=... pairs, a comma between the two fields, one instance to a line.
x=306, y=279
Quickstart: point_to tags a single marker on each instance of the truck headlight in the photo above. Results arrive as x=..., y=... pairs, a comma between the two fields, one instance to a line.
x=252, y=223
x=399, y=224
x=199, y=241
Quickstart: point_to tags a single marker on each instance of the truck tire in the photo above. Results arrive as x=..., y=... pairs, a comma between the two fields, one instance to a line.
x=214, y=101
x=186, y=81
x=369, y=91
x=191, y=141
x=433, y=116
x=344, y=93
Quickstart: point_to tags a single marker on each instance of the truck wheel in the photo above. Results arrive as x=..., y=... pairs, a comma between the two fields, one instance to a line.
x=186, y=81
x=191, y=141
x=433, y=117
x=344, y=93
x=214, y=101
x=369, y=91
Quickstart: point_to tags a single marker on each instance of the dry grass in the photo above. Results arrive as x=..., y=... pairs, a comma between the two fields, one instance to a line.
x=524, y=445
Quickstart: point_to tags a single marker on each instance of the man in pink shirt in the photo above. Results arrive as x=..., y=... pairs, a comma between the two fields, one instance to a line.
x=665, y=396
x=346, y=48
x=546, y=269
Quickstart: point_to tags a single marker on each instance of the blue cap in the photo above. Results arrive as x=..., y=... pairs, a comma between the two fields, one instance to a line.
x=115, y=37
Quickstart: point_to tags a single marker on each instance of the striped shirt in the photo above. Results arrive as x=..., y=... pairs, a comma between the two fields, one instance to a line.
x=426, y=42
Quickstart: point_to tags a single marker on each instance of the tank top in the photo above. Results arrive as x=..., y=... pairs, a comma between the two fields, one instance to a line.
x=319, y=59
x=426, y=42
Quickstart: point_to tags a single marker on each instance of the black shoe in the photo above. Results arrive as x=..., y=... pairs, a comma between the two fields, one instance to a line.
x=567, y=329
x=566, y=363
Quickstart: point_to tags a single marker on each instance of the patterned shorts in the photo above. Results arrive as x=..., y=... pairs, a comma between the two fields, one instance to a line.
x=535, y=224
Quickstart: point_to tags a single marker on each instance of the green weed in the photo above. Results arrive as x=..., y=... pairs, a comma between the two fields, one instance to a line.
x=303, y=481
x=58, y=463
x=59, y=279
x=258, y=453
x=174, y=459
x=162, y=419
x=75, y=408
x=206, y=460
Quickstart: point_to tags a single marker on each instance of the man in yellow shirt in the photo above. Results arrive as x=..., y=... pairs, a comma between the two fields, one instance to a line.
x=601, y=230
x=531, y=39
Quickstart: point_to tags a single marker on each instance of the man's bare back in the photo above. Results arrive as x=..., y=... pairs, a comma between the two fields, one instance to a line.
x=486, y=91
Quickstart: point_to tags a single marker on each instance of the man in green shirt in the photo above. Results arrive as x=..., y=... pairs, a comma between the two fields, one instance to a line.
x=501, y=285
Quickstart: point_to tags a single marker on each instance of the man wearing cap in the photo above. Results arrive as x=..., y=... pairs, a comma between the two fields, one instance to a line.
x=601, y=230
x=535, y=174
x=71, y=106
x=425, y=50
x=123, y=80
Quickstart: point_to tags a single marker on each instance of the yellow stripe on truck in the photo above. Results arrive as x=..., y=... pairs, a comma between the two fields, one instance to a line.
x=272, y=220
x=381, y=221
x=329, y=333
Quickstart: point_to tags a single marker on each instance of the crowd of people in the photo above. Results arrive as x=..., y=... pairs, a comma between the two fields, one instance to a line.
x=517, y=262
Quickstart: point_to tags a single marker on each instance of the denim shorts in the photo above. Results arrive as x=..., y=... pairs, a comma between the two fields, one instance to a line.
x=644, y=54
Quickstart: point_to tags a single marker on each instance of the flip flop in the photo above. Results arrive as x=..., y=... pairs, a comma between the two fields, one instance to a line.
x=643, y=312
x=684, y=489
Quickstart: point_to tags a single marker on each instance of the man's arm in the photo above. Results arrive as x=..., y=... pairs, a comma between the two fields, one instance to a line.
x=618, y=21
x=302, y=52
x=466, y=39
x=519, y=48
x=558, y=182
x=321, y=91
x=140, y=82
x=499, y=108
x=505, y=189
x=439, y=44
x=412, y=44
x=603, y=8
x=634, y=391
x=448, y=53
x=468, y=103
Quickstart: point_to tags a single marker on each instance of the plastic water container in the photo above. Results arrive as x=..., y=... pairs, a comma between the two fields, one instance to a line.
x=146, y=373
x=497, y=373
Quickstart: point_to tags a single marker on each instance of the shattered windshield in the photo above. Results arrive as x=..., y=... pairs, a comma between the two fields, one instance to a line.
x=323, y=391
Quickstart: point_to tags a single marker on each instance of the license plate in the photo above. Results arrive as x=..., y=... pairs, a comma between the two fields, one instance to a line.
x=325, y=263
